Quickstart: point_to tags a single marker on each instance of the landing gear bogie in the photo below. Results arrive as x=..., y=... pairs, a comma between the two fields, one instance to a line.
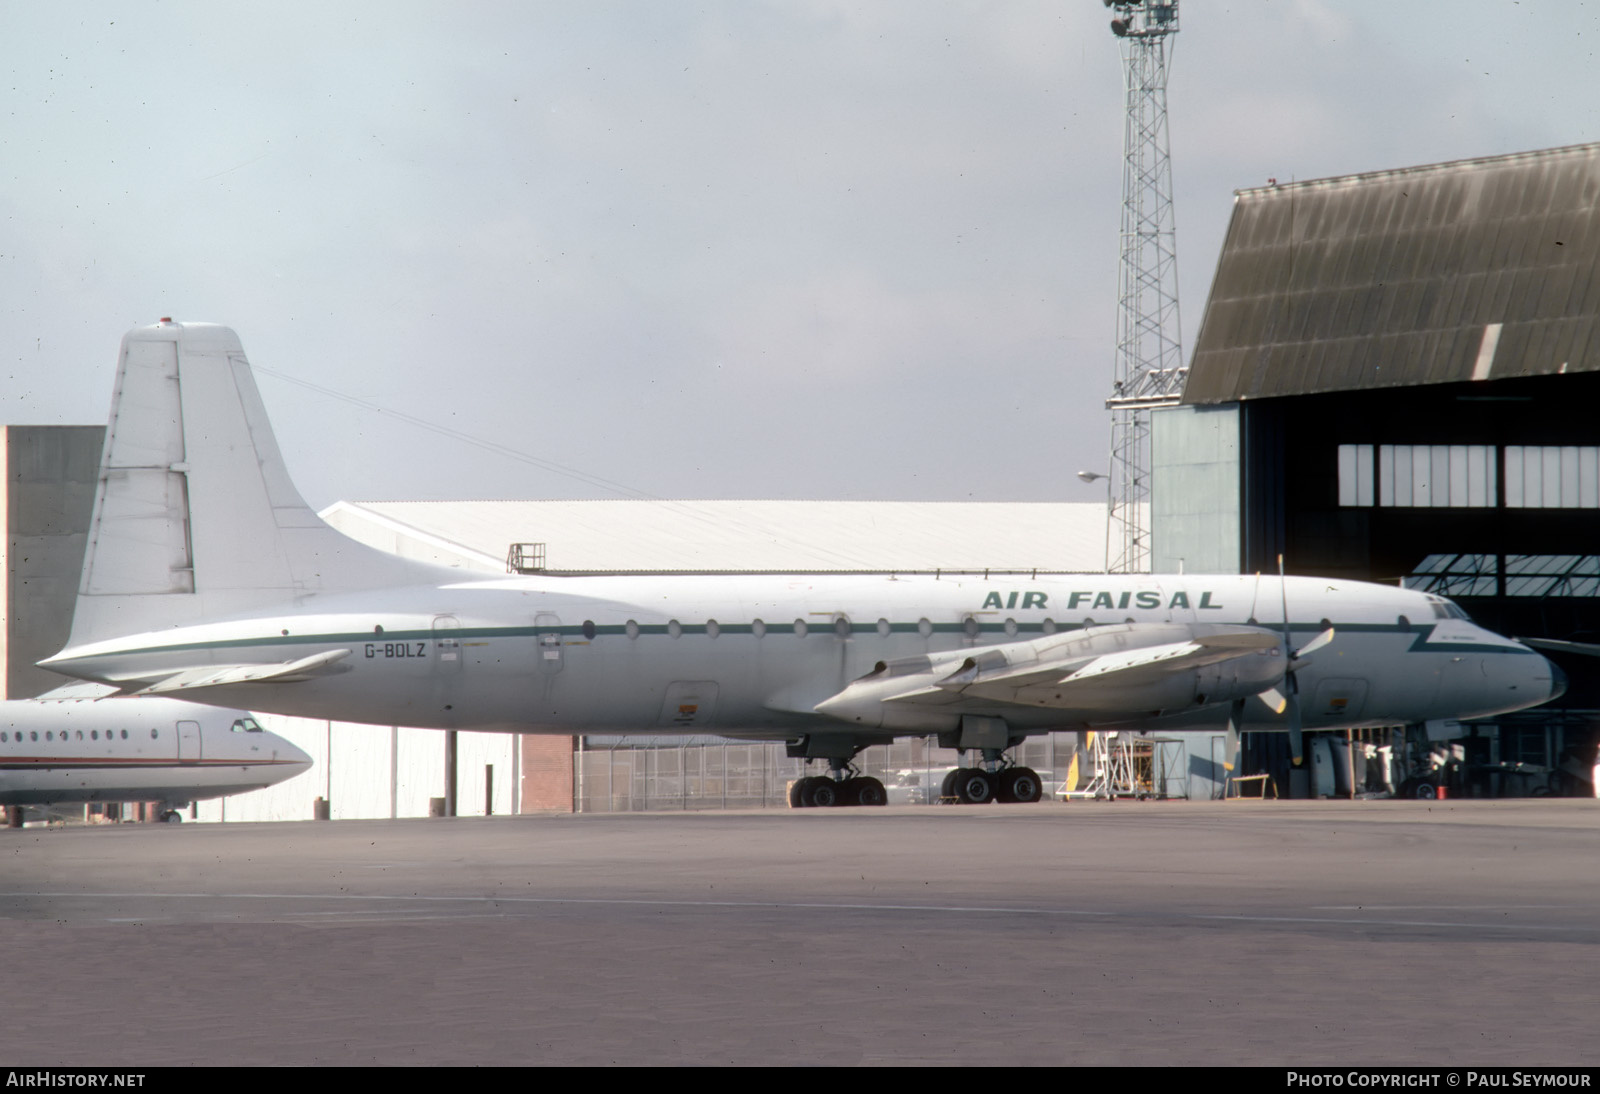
x=825, y=792
x=981, y=785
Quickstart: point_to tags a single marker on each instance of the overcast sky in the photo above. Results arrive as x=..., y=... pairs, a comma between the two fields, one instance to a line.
x=783, y=249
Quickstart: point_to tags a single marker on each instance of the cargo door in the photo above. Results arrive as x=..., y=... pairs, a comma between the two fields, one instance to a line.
x=689, y=704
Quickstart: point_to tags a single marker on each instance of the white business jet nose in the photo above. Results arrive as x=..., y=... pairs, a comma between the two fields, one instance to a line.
x=290, y=760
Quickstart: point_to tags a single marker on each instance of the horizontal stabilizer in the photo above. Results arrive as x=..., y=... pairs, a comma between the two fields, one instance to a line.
x=213, y=676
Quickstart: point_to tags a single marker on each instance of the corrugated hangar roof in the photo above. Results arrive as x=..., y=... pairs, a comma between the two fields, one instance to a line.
x=738, y=535
x=1478, y=269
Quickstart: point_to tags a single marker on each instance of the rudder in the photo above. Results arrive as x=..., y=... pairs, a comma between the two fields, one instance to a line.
x=195, y=516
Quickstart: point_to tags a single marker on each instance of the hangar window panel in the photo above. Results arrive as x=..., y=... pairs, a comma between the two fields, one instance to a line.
x=1423, y=476
x=1552, y=575
x=1355, y=475
x=1553, y=476
x=1524, y=575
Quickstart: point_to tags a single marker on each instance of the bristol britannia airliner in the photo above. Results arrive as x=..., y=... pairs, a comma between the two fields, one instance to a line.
x=207, y=577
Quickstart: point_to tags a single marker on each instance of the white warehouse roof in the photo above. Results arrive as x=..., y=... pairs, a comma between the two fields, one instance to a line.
x=737, y=535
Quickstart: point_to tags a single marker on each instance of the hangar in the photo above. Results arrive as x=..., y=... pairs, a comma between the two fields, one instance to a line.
x=1394, y=381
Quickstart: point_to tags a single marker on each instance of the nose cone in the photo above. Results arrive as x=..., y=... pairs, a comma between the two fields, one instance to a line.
x=288, y=761
x=1558, y=681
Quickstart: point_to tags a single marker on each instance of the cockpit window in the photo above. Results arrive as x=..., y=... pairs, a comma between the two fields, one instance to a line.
x=1446, y=609
x=246, y=725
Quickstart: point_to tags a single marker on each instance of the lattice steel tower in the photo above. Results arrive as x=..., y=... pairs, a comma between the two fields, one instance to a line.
x=1149, y=368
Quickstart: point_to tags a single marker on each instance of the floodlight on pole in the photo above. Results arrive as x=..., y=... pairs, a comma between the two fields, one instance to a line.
x=1148, y=371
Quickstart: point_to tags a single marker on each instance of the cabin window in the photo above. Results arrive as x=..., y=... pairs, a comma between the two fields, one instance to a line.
x=924, y=628
x=674, y=628
x=124, y=735
x=800, y=627
x=884, y=628
x=758, y=628
x=971, y=626
x=841, y=626
x=712, y=630
x=631, y=629
x=1011, y=628
x=154, y=733
x=588, y=628
x=1049, y=626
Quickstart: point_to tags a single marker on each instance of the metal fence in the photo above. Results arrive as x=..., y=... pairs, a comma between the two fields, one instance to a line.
x=623, y=774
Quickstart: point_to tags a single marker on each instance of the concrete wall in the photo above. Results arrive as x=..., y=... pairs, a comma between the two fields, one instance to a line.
x=372, y=772
x=50, y=475
x=1195, y=490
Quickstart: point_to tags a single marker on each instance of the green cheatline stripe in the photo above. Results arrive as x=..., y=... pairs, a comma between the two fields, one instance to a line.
x=773, y=630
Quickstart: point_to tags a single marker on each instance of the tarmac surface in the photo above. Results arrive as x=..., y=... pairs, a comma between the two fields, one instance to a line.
x=1285, y=933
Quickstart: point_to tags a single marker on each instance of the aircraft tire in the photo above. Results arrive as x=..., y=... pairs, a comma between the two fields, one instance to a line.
x=975, y=786
x=826, y=793
x=870, y=791
x=1020, y=784
x=797, y=792
x=1425, y=792
x=808, y=786
x=947, y=788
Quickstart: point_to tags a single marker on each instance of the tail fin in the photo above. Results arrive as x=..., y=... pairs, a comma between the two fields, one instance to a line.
x=195, y=516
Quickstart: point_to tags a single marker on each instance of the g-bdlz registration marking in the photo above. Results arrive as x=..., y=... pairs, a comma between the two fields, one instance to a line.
x=397, y=649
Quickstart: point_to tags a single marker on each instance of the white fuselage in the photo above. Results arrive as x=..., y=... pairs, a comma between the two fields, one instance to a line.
x=135, y=749
x=754, y=654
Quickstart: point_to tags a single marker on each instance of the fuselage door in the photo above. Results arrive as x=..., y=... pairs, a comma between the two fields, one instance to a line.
x=689, y=704
x=1339, y=700
x=548, y=629
x=188, y=742
x=446, y=645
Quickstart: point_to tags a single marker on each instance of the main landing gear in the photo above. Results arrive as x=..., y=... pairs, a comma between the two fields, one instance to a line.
x=838, y=787
x=991, y=782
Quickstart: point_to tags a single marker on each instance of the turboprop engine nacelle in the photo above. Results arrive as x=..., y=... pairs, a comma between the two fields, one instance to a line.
x=1114, y=670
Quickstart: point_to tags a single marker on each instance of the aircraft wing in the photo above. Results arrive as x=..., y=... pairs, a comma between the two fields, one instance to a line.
x=1107, y=672
x=213, y=676
x=81, y=689
x=1556, y=645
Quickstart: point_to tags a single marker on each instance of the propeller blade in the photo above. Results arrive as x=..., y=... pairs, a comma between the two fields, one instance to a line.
x=1230, y=746
x=1274, y=700
x=1314, y=645
x=1297, y=744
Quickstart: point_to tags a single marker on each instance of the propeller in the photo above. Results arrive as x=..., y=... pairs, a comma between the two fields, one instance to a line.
x=1230, y=747
x=1278, y=700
